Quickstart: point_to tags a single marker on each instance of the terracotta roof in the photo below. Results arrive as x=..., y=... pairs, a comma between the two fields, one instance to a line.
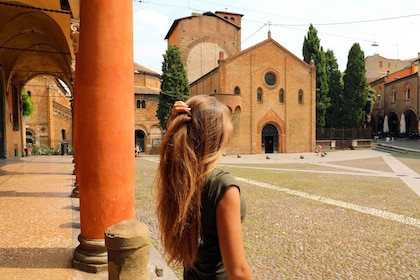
x=140, y=69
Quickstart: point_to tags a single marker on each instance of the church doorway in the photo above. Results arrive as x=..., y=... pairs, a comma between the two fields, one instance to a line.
x=270, y=139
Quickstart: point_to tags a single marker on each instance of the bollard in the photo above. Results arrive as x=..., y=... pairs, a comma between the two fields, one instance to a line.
x=128, y=244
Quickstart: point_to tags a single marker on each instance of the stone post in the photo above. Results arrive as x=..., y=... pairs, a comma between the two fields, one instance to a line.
x=128, y=244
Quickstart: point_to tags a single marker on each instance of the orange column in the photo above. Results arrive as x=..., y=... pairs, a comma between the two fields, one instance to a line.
x=105, y=123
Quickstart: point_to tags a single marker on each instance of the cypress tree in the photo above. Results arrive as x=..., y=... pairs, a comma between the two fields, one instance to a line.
x=334, y=113
x=312, y=50
x=174, y=84
x=356, y=93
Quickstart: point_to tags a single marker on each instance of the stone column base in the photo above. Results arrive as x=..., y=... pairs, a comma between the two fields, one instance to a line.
x=91, y=255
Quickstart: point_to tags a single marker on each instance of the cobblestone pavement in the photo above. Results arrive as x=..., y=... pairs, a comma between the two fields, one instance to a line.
x=348, y=215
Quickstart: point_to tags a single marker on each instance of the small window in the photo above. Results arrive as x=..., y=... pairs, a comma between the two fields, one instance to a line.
x=270, y=79
x=141, y=104
x=237, y=90
x=260, y=95
x=394, y=96
x=281, y=96
x=63, y=134
x=407, y=93
x=300, y=97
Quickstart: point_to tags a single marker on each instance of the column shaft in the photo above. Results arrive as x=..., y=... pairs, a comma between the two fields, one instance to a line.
x=105, y=120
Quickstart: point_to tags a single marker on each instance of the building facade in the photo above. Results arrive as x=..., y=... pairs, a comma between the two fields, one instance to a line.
x=51, y=123
x=397, y=107
x=147, y=131
x=270, y=91
x=201, y=37
x=378, y=66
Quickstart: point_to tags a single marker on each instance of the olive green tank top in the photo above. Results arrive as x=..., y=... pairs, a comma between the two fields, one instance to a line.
x=209, y=264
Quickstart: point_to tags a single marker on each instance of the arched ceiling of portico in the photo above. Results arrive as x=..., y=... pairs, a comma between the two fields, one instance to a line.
x=35, y=38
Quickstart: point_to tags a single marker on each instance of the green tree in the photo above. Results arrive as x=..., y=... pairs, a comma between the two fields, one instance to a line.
x=174, y=84
x=356, y=93
x=312, y=50
x=333, y=117
x=28, y=106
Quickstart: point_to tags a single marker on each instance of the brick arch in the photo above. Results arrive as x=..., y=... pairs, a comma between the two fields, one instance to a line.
x=205, y=39
x=272, y=118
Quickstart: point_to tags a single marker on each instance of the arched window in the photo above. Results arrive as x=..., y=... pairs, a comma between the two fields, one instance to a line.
x=300, y=97
x=237, y=90
x=141, y=104
x=63, y=134
x=260, y=95
x=281, y=96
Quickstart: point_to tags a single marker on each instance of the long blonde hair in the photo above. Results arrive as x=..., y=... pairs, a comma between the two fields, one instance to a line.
x=191, y=148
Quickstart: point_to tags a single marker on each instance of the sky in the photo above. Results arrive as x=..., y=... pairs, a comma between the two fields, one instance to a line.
x=388, y=28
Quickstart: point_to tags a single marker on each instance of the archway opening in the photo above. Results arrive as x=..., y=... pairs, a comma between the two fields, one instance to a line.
x=411, y=125
x=140, y=139
x=270, y=139
x=393, y=124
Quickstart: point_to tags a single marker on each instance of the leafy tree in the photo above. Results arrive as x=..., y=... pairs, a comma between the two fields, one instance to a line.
x=312, y=50
x=333, y=117
x=356, y=93
x=174, y=85
x=28, y=106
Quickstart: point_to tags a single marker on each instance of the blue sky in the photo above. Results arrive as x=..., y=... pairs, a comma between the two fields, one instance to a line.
x=393, y=26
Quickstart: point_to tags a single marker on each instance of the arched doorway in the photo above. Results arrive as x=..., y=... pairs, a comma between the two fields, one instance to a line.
x=139, y=139
x=270, y=139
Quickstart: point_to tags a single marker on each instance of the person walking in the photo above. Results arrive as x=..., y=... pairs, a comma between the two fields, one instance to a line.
x=199, y=206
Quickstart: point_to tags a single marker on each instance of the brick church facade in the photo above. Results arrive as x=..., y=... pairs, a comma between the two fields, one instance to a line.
x=269, y=90
x=51, y=123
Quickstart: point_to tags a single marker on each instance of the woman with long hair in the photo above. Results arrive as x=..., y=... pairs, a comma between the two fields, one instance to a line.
x=199, y=207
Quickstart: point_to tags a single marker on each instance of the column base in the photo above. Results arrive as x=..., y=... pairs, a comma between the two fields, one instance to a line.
x=75, y=192
x=91, y=255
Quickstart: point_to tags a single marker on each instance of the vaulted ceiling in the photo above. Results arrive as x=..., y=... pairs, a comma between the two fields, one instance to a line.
x=36, y=38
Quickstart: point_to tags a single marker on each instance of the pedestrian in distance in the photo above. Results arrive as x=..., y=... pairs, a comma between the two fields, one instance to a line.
x=199, y=206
